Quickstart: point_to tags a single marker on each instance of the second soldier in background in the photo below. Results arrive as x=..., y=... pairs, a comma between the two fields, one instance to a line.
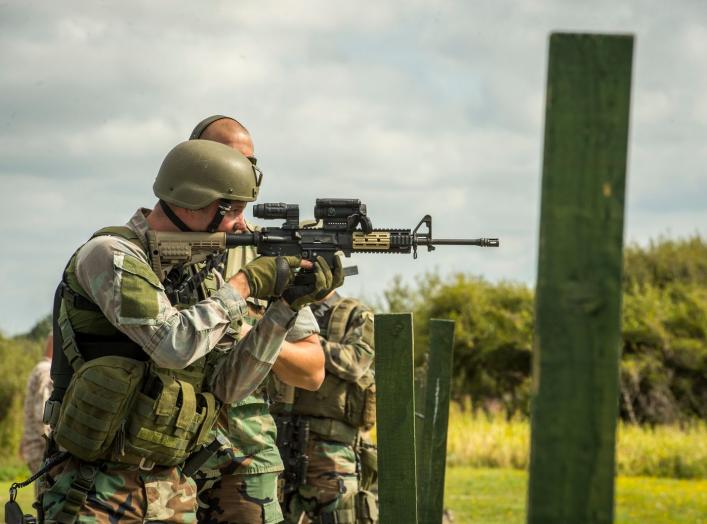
x=239, y=484
x=329, y=466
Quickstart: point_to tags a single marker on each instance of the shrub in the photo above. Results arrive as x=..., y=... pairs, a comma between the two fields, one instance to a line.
x=18, y=357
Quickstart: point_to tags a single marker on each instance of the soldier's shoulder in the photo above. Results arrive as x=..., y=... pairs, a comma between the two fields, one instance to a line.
x=360, y=308
x=106, y=246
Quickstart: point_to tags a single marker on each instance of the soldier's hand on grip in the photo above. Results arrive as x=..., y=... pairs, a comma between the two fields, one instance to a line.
x=317, y=288
x=337, y=278
x=269, y=276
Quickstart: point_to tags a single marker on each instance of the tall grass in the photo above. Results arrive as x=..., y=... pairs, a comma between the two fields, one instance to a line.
x=480, y=440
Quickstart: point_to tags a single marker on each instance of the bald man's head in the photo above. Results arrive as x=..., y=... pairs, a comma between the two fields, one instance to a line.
x=231, y=133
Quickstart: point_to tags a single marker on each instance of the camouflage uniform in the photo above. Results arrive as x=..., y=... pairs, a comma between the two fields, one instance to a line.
x=239, y=484
x=332, y=488
x=39, y=388
x=106, y=269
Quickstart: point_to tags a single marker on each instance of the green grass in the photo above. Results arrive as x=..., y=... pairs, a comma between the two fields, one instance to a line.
x=498, y=496
x=482, y=441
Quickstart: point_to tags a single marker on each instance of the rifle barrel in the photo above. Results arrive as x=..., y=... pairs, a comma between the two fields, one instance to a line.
x=481, y=242
x=239, y=239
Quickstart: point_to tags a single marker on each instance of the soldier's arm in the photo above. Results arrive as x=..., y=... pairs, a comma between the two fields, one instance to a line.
x=354, y=356
x=301, y=363
x=117, y=276
x=301, y=359
x=242, y=369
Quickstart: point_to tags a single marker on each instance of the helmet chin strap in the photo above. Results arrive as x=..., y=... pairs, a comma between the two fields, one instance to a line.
x=173, y=217
x=224, y=207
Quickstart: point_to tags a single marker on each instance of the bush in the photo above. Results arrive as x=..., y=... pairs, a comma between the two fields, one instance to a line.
x=18, y=357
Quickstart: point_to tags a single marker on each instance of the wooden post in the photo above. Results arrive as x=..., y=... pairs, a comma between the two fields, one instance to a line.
x=436, y=422
x=578, y=298
x=420, y=379
x=395, y=421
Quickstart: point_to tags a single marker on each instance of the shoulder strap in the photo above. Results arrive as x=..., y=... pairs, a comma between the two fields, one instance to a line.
x=77, y=297
x=122, y=232
x=339, y=319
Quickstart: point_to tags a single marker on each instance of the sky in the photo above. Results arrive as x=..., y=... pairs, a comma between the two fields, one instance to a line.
x=415, y=107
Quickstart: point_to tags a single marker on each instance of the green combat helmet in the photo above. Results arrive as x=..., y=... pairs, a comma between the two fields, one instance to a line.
x=196, y=173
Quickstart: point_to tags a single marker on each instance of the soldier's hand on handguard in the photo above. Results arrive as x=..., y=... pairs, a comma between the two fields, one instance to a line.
x=269, y=276
x=324, y=282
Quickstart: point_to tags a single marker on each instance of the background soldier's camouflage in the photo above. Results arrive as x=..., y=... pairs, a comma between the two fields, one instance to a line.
x=39, y=388
x=334, y=469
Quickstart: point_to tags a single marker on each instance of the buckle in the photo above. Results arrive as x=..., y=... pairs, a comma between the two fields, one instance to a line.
x=145, y=464
x=51, y=412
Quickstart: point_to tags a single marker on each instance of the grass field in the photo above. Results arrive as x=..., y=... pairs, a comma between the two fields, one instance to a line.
x=498, y=496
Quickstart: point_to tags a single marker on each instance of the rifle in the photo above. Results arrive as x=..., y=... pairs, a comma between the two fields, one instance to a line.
x=341, y=225
x=292, y=440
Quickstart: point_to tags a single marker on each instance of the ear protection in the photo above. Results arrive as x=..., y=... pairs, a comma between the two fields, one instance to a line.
x=206, y=122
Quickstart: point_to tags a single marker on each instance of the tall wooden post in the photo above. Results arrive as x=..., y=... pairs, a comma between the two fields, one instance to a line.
x=433, y=446
x=395, y=420
x=578, y=298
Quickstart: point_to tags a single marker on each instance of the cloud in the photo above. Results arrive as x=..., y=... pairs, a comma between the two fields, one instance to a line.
x=414, y=107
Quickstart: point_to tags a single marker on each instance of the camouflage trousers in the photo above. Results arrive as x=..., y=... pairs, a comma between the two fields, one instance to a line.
x=239, y=499
x=332, y=483
x=126, y=494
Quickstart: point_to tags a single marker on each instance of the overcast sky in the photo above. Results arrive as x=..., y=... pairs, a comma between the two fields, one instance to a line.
x=412, y=106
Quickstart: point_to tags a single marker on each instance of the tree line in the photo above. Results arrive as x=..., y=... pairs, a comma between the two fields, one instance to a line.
x=664, y=333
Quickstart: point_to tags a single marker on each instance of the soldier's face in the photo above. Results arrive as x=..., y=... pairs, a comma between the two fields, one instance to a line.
x=234, y=220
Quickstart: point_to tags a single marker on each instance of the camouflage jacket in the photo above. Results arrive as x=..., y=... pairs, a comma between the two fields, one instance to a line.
x=247, y=424
x=39, y=388
x=175, y=338
x=352, y=357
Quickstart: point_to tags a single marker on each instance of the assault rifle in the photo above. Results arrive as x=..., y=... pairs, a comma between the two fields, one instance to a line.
x=292, y=440
x=341, y=225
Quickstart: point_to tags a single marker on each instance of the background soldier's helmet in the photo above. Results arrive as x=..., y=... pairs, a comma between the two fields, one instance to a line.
x=197, y=172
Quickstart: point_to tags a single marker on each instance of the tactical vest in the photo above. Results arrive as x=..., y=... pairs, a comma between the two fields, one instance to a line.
x=119, y=405
x=337, y=400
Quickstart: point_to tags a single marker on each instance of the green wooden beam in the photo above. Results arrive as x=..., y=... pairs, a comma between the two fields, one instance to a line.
x=395, y=420
x=578, y=298
x=434, y=435
x=420, y=379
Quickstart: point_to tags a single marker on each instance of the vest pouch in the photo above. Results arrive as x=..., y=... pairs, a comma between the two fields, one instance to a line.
x=355, y=403
x=361, y=402
x=329, y=401
x=99, y=397
x=369, y=408
x=169, y=420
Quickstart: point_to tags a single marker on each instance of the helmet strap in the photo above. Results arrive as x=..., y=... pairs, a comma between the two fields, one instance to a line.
x=224, y=207
x=173, y=217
